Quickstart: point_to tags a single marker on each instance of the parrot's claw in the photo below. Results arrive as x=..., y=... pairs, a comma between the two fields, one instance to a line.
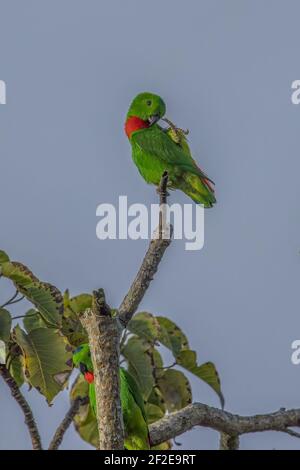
x=177, y=130
x=158, y=190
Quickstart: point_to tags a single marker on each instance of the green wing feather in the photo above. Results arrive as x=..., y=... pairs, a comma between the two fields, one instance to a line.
x=156, y=142
x=134, y=390
x=92, y=397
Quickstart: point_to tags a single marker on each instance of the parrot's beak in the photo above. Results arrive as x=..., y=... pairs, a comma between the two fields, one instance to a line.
x=153, y=119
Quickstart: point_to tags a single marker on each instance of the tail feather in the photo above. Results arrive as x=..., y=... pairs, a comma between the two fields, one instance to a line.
x=201, y=190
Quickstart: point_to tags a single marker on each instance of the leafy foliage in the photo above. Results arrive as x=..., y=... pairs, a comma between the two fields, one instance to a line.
x=17, y=369
x=3, y=257
x=40, y=353
x=46, y=298
x=207, y=371
x=46, y=355
x=33, y=320
x=175, y=389
x=161, y=330
x=136, y=353
x=71, y=326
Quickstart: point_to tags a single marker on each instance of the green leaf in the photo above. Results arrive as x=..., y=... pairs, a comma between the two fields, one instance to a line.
x=146, y=326
x=18, y=273
x=16, y=369
x=136, y=352
x=46, y=354
x=73, y=330
x=5, y=324
x=48, y=301
x=153, y=412
x=3, y=257
x=80, y=388
x=86, y=426
x=156, y=398
x=206, y=372
x=71, y=325
x=175, y=389
x=160, y=329
x=75, y=334
x=80, y=303
x=85, y=421
x=152, y=329
x=45, y=297
x=156, y=359
x=171, y=336
x=33, y=320
x=73, y=306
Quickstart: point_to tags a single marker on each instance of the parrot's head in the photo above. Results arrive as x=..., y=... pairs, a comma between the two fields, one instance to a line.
x=148, y=107
x=81, y=357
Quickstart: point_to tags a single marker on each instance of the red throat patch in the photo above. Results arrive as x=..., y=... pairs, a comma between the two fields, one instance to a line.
x=133, y=124
x=89, y=377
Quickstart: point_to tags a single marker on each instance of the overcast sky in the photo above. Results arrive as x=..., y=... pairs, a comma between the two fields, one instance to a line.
x=224, y=69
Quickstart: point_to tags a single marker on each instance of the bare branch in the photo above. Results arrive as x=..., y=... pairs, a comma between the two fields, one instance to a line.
x=291, y=432
x=232, y=425
x=17, y=300
x=27, y=316
x=229, y=442
x=10, y=300
x=29, y=419
x=149, y=266
x=162, y=188
x=66, y=422
x=104, y=341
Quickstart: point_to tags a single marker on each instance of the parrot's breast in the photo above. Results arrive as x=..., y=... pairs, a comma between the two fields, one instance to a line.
x=133, y=124
x=89, y=377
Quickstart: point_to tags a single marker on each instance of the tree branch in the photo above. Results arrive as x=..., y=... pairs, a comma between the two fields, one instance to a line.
x=104, y=341
x=149, y=266
x=232, y=425
x=291, y=433
x=29, y=419
x=11, y=300
x=62, y=428
x=229, y=442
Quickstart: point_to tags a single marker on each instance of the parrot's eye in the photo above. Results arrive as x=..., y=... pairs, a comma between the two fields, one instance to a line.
x=149, y=102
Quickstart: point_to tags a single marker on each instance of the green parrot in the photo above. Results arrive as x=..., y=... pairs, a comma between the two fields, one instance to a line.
x=134, y=415
x=155, y=150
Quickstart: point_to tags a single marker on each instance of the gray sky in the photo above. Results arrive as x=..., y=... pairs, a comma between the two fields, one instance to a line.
x=225, y=71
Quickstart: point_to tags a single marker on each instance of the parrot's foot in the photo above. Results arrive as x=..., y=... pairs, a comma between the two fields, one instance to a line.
x=177, y=131
x=158, y=190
